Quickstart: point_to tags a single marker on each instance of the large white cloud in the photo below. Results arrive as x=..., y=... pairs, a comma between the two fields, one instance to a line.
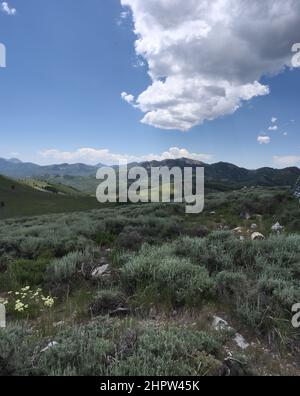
x=105, y=156
x=206, y=57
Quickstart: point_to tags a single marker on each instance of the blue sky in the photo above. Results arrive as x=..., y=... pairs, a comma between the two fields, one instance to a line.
x=68, y=63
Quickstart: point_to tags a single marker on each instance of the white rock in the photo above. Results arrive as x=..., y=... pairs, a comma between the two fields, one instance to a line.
x=100, y=271
x=221, y=324
x=49, y=346
x=254, y=226
x=257, y=236
x=238, y=229
x=277, y=227
x=240, y=341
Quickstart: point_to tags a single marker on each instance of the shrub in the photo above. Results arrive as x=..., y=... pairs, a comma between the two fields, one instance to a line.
x=17, y=344
x=64, y=269
x=106, y=301
x=130, y=238
x=27, y=272
x=164, y=278
x=104, y=238
x=109, y=347
x=231, y=285
x=81, y=351
x=190, y=247
x=171, y=352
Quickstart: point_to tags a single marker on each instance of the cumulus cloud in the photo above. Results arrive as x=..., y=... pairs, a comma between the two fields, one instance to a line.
x=206, y=58
x=273, y=128
x=264, y=139
x=287, y=160
x=105, y=156
x=7, y=9
x=274, y=120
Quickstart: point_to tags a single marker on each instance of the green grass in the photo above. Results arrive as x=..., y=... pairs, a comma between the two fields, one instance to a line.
x=86, y=185
x=55, y=188
x=17, y=199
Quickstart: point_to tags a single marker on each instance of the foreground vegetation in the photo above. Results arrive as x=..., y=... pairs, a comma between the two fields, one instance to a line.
x=135, y=290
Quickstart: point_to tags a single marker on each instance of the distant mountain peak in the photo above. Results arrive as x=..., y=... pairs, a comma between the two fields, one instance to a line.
x=14, y=161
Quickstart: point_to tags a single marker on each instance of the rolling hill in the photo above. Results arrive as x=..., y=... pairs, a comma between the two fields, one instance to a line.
x=220, y=176
x=225, y=176
x=18, y=199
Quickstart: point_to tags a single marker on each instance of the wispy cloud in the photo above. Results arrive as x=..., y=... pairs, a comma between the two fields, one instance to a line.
x=105, y=156
x=286, y=160
x=124, y=14
x=273, y=128
x=122, y=18
x=7, y=9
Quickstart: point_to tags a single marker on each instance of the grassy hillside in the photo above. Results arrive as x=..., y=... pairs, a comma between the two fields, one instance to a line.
x=218, y=177
x=57, y=188
x=85, y=184
x=163, y=279
x=18, y=199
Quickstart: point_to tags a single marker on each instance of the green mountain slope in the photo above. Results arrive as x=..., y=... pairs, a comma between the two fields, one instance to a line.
x=220, y=176
x=55, y=187
x=18, y=199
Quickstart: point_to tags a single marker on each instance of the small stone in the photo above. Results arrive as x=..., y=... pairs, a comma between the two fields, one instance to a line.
x=256, y=236
x=221, y=324
x=100, y=271
x=240, y=341
x=239, y=230
x=49, y=346
x=277, y=227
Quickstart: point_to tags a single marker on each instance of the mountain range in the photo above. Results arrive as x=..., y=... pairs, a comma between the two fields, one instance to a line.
x=220, y=173
x=18, y=169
